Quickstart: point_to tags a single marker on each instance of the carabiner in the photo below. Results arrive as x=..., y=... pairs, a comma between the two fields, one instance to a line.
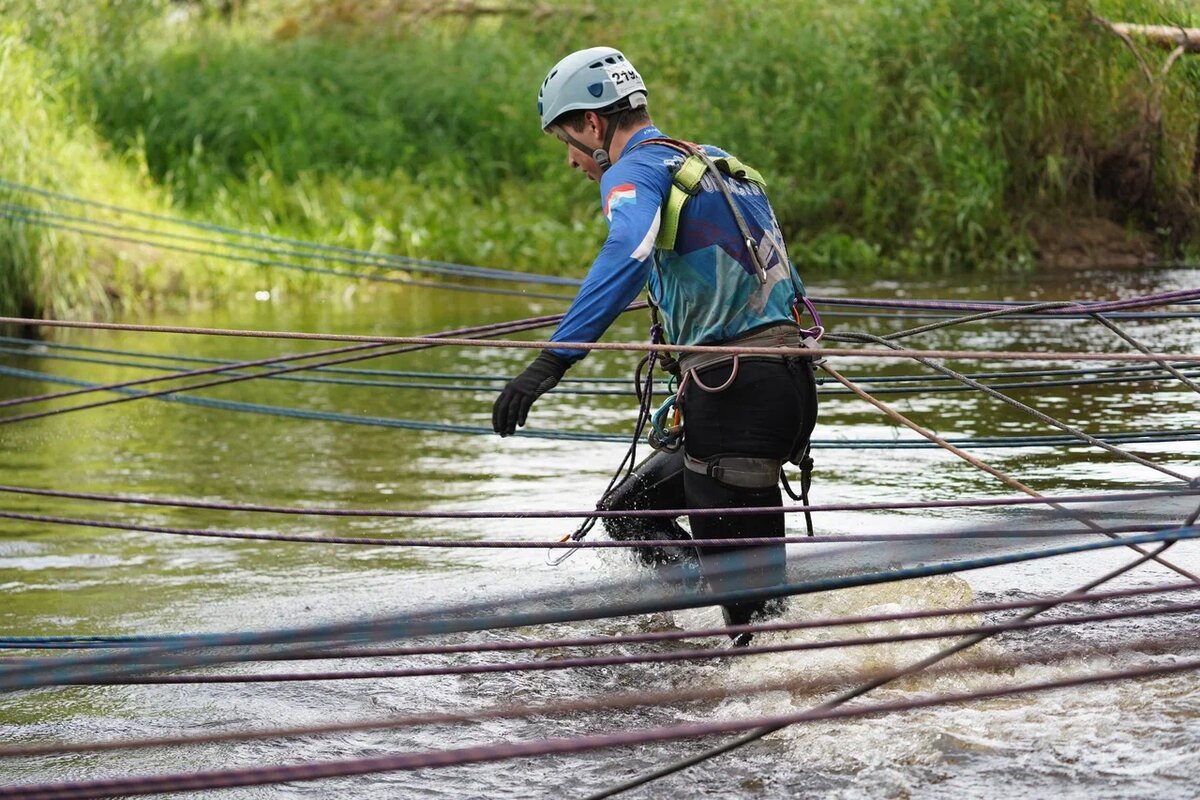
x=554, y=560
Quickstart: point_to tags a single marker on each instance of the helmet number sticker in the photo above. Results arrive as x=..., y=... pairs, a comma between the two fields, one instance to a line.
x=622, y=74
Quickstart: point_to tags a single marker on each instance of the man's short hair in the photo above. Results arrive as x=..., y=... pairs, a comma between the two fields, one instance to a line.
x=634, y=117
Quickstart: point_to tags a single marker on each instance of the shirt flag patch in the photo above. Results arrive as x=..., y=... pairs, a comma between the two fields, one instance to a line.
x=625, y=193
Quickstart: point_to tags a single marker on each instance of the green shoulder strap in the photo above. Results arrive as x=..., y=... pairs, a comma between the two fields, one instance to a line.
x=685, y=183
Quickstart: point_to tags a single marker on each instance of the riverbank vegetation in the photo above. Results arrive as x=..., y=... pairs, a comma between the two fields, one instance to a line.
x=919, y=137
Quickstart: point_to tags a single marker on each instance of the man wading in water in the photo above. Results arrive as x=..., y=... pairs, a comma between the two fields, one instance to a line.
x=694, y=224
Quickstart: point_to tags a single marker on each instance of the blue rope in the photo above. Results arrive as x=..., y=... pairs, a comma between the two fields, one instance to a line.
x=380, y=261
x=569, y=390
x=481, y=616
x=362, y=255
x=1145, y=437
x=268, y=262
x=368, y=258
x=1119, y=375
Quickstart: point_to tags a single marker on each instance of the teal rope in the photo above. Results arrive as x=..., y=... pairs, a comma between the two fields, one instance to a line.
x=272, y=262
x=481, y=616
x=402, y=261
x=582, y=436
x=1119, y=375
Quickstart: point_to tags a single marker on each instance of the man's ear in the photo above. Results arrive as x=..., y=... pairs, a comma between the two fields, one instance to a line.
x=593, y=120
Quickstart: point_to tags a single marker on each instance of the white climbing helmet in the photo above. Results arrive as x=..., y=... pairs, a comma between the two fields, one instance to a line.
x=593, y=79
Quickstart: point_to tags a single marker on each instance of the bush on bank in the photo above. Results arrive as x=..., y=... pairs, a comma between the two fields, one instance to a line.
x=920, y=137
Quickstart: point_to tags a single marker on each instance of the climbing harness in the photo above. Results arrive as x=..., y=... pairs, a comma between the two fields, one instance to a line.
x=744, y=472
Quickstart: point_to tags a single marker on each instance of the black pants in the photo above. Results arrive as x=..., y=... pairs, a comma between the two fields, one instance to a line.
x=768, y=411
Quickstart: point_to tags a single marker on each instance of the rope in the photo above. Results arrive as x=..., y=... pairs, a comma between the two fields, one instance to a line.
x=1167, y=436
x=263, y=237
x=1119, y=375
x=1108, y=497
x=1161, y=298
x=638, y=347
x=308, y=250
x=269, y=262
x=205, y=649
x=255, y=776
x=654, y=637
x=493, y=544
x=1180, y=296
x=980, y=465
x=668, y=657
x=1033, y=412
x=1145, y=646
x=376, y=351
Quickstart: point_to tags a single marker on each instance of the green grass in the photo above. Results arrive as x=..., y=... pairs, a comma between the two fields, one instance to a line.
x=918, y=137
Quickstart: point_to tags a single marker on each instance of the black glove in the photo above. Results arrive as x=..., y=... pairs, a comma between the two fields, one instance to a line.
x=513, y=404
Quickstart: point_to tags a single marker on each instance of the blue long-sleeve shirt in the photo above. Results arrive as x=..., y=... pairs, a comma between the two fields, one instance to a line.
x=707, y=287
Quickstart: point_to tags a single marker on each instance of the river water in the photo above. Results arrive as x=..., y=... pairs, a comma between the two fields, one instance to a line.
x=1114, y=740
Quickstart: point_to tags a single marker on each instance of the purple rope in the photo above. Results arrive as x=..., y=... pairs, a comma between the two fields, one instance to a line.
x=554, y=665
x=1146, y=646
x=257, y=776
x=583, y=513
x=758, y=541
x=1142, y=301
x=376, y=350
x=649, y=637
x=655, y=637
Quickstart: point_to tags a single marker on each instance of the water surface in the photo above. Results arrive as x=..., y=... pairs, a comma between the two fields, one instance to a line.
x=1132, y=739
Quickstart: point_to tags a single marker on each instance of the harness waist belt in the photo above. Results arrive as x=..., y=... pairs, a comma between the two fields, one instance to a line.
x=742, y=471
x=782, y=335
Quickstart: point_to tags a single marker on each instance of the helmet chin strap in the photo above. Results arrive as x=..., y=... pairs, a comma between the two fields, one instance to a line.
x=600, y=154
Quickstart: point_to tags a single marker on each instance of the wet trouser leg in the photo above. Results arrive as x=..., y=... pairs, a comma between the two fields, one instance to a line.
x=767, y=412
x=655, y=483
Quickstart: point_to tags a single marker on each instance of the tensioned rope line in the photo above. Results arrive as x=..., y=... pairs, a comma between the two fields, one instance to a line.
x=1124, y=335
x=300, y=243
x=455, y=268
x=376, y=351
x=652, y=637
x=256, y=776
x=492, y=329
x=1143, y=646
x=889, y=340
x=524, y=544
x=210, y=649
x=41, y=398
x=1174, y=296
x=389, y=384
x=657, y=657
x=636, y=347
x=1040, y=416
x=362, y=258
x=34, y=217
x=1116, y=376
x=981, y=502
x=180, y=396
x=269, y=262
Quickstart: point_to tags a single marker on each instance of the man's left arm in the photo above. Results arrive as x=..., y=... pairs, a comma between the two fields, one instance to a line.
x=632, y=204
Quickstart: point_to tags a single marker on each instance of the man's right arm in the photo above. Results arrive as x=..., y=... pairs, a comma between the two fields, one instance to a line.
x=621, y=268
